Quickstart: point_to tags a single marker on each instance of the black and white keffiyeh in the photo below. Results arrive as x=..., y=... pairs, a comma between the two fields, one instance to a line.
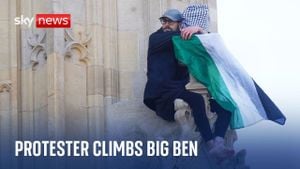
x=196, y=15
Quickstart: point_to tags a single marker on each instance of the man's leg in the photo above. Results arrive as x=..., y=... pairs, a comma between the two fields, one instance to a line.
x=223, y=119
x=196, y=102
x=221, y=126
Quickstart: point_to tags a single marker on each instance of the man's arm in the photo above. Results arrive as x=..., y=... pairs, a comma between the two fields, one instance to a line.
x=186, y=33
x=161, y=41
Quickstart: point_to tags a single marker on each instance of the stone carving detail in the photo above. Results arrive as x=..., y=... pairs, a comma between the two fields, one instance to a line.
x=185, y=119
x=77, y=41
x=5, y=86
x=38, y=49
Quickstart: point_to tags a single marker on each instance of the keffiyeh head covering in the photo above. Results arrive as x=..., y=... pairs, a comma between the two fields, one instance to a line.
x=196, y=15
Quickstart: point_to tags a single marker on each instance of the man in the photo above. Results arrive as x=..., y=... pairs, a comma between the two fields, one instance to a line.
x=167, y=79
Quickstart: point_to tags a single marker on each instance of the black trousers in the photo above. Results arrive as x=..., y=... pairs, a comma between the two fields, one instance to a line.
x=196, y=102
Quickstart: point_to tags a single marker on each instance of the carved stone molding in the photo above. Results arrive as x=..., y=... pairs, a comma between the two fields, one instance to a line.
x=38, y=49
x=5, y=86
x=77, y=41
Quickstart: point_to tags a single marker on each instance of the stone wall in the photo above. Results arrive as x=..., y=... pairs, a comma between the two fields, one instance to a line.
x=60, y=80
x=59, y=83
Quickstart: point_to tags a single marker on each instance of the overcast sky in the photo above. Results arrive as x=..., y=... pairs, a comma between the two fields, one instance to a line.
x=264, y=36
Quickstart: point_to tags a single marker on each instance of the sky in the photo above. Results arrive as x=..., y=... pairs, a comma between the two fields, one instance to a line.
x=264, y=37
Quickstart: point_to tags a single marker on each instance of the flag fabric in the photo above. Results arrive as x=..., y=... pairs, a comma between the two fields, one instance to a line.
x=210, y=63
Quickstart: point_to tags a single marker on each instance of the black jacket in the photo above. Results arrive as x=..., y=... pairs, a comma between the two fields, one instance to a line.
x=166, y=77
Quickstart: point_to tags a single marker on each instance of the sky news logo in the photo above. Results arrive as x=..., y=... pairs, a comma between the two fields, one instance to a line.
x=46, y=20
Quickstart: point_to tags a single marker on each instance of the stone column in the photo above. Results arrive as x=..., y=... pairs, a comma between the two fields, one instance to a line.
x=55, y=74
x=9, y=82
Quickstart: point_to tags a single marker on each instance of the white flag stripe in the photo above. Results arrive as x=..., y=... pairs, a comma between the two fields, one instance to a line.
x=240, y=85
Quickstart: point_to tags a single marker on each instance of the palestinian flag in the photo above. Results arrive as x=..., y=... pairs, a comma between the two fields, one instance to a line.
x=228, y=83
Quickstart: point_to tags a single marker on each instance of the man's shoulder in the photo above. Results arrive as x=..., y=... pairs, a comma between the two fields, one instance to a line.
x=160, y=33
x=156, y=32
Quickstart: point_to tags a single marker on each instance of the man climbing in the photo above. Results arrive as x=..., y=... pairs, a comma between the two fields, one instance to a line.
x=166, y=80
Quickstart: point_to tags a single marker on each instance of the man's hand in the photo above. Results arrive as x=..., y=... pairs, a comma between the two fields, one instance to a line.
x=186, y=33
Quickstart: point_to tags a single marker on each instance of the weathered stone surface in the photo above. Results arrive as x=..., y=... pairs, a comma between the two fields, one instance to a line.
x=75, y=83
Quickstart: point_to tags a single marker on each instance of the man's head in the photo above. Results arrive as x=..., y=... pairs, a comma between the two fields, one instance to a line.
x=170, y=20
x=196, y=15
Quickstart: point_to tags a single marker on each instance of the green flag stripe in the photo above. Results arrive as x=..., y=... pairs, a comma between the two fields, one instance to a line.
x=205, y=71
